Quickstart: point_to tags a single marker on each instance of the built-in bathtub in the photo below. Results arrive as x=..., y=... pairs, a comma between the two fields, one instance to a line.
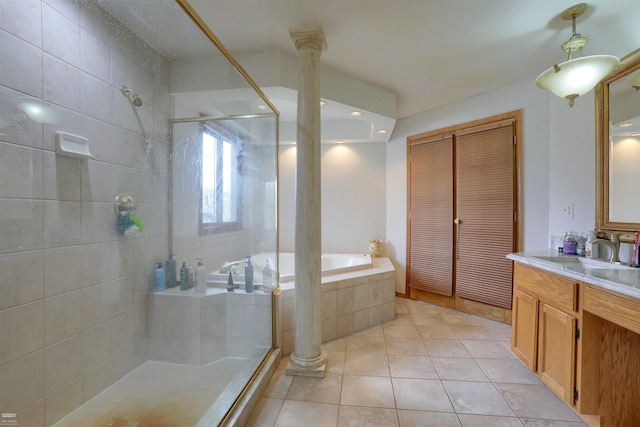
x=332, y=264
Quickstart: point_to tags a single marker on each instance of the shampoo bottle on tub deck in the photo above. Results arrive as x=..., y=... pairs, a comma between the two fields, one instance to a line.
x=201, y=277
x=248, y=276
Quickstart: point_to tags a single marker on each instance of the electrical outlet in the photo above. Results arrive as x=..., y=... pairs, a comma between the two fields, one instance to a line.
x=567, y=211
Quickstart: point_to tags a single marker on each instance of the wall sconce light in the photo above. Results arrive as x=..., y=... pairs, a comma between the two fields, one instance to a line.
x=575, y=77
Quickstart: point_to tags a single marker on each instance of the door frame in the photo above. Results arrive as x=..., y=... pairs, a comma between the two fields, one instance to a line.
x=516, y=116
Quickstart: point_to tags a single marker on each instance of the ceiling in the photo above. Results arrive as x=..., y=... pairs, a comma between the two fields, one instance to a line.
x=427, y=52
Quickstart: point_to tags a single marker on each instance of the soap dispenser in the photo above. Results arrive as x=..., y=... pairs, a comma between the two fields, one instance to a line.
x=200, y=277
x=248, y=276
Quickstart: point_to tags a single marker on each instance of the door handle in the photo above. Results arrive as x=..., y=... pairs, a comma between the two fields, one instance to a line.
x=457, y=222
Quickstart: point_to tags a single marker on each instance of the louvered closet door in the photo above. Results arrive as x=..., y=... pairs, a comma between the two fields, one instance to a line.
x=431, y=205
x=485, y=207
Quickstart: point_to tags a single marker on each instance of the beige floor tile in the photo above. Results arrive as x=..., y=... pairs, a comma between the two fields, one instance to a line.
x=460, y=319
x=427, y=419
x=265, y=413
x=551, y=423
x=366, y=344
x=536, y=401
x=417, y=394
x=402, y=317
x=278, y=385
x=313, y=389
x=441, y=331
x=469, y=420
x=465, y=332
x=335, y=362
x=372, y=364
x=339, y=344
x=367, y=391
x=405, y=345
x=412, y=367
x=296, y=414
x=352, y=416
x=427, y=319
x=488, y=349
x=507, y=371
x=477, y=398
x=396, y=329
x=375, y=331
x=446, y=348
x=458, y=368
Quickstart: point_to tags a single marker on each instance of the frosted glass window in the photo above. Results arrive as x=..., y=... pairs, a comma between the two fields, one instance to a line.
x=221, y=182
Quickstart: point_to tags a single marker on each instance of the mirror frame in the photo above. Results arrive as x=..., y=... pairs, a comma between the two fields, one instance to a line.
x=626, y=230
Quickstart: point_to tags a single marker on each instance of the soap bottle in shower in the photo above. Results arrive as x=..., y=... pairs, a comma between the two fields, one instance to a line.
x=248, y=276
x=160, y=278
x=267, y=274
x=184, y=277
x=200, y=277
x=170, y=271
x=230, y=285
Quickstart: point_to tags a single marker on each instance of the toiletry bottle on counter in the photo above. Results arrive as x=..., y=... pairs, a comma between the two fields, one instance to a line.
x=160, y=278
x=170, y=271
x=230, y=285
x=580, y=246
x=200, y=277
x=570, y=243
x=184, y=277
x=248, y=276
x=590, y=249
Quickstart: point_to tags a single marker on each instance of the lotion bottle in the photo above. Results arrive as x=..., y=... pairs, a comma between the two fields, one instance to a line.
x=160, y=278
x=248, y=276
x=200, y=277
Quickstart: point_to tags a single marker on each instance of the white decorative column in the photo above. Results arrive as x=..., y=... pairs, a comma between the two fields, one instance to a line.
x=307, y=358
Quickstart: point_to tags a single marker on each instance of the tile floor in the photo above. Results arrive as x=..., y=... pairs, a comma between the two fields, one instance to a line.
x=429, y=367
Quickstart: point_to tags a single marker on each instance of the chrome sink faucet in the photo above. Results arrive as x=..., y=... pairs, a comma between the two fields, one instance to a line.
x=613, y=242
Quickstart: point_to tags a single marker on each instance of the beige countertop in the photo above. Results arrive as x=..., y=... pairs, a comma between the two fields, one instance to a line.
x=598, y=272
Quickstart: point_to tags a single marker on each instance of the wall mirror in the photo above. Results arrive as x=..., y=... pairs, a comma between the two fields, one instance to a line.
x=618, y=149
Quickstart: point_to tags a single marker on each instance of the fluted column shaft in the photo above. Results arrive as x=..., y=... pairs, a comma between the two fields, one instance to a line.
x=308, y=358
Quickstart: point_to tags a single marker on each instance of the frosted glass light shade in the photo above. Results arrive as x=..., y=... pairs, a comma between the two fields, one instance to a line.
x=577, y=76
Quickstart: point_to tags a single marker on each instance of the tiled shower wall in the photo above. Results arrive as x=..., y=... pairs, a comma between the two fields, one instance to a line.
x=72, y=290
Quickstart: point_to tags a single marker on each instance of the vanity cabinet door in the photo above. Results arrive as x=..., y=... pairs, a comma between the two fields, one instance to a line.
x=556, y=350
x=524, y=329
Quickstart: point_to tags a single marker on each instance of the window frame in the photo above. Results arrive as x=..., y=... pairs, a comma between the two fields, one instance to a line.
x=221, y=134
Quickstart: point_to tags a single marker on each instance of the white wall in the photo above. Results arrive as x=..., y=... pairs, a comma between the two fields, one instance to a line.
x=559, y=162
x=353, y=196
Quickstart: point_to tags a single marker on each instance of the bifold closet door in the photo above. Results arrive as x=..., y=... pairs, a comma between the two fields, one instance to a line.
x=485, y=210
x=431, y=210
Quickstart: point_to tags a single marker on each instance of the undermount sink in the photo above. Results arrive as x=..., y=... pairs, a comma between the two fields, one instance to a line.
x=575, y=261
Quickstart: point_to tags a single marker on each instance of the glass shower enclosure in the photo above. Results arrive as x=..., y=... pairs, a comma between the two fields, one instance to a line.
x=128, y=134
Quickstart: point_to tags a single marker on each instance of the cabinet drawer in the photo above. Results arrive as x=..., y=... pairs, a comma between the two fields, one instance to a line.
x=613, y=307
x=560, y=292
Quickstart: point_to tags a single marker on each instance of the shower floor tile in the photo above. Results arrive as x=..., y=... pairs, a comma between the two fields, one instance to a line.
x=160, y=394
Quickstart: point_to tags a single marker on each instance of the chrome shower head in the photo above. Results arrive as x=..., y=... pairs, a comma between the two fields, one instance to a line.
x=133, y=97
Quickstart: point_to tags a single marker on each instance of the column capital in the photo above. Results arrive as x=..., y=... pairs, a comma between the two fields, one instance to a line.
x=309, y=38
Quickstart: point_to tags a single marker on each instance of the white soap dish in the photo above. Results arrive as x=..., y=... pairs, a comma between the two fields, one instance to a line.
x=73, y=146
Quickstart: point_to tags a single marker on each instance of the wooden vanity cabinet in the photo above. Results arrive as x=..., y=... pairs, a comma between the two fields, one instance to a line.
x=544, y=327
